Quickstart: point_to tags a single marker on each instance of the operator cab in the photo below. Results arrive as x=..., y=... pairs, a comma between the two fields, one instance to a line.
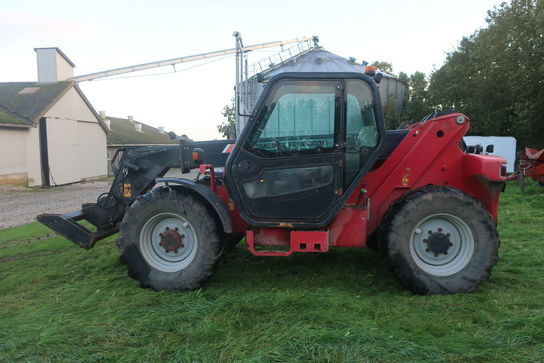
x=310, y=140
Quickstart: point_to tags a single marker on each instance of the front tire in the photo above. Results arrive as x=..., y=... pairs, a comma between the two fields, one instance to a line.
x=169, y=241
x=441, y=241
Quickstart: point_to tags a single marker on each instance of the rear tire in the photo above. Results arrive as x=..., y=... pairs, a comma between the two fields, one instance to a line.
x=169, y=241
x=441, y=241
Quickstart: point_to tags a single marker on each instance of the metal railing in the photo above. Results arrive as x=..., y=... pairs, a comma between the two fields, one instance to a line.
x=283, y=56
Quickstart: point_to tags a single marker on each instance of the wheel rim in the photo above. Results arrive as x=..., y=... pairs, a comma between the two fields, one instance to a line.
x=168, y=242
x=442, y=244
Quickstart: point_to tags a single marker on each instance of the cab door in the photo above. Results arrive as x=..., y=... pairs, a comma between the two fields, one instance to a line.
x=298, y=155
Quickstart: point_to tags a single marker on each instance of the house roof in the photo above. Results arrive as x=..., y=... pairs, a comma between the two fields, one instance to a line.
x=24, y=103
x=123, y=132
x=28, y=101
x=10, y=118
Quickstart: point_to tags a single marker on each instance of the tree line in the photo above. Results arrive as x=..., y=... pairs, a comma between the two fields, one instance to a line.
x=495, y=76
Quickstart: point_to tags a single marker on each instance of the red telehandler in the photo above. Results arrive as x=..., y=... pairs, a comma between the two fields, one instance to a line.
x=313, y=169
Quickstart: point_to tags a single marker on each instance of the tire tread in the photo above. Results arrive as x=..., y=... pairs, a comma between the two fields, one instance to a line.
x=128, y=240
x=394, y=237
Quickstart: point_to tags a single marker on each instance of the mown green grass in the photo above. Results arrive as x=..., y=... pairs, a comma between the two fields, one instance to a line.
x=61, y=303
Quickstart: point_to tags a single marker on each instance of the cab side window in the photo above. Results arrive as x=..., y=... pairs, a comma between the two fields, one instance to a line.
x=361, y=127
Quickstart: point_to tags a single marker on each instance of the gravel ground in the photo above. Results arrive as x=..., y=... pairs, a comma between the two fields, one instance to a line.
x=21, y=205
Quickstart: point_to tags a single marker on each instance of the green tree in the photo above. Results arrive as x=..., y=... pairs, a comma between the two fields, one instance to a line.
x=496, y=75
x=416, y=104
x=229, y=122
x=385, y=67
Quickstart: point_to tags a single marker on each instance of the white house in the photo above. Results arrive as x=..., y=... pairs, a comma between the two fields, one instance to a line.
x=49, y=132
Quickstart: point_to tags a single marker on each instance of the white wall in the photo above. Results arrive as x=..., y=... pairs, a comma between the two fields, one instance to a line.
x=92, y=150
x=62, y=149
x=76, y=141
x=64, y=69
x=20, y=153
x=72, y=107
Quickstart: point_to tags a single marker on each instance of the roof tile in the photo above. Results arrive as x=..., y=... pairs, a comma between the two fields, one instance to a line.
x=123, y=132
x=16, y=99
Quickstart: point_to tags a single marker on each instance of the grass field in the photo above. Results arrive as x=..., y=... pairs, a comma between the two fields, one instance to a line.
x=61, y=303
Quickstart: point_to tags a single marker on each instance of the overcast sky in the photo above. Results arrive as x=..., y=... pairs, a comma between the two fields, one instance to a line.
x=99, y=35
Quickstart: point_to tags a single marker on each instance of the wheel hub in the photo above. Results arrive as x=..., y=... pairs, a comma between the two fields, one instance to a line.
x=171, y=240
x=442, y=244
x=168, y=242
x=439, y=243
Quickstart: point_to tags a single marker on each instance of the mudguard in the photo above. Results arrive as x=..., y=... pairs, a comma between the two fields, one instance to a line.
x=215, y=202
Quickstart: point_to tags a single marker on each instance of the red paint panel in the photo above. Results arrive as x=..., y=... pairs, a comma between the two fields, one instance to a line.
x=430, y=155
x=299, y=241
x=486, y=166
x=271, y=237
x=349, y=228
x=310, y=241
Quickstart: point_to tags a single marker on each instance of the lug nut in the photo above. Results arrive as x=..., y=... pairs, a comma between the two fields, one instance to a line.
x=439, y=229
x=424, y=240
x=167, y=228
x=161, y=235
x=448, y=234
x=176, y=229
x=430, y=232
x=427, y=250
x=451, y=244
